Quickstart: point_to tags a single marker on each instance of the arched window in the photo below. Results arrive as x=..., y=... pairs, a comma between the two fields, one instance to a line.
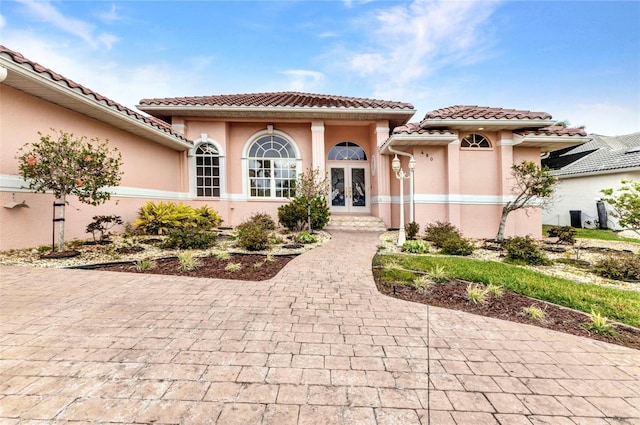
x=347, y=151
x=207, y=170
x=475, y=141
x=272, y=168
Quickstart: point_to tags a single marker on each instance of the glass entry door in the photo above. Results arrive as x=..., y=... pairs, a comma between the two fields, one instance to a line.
x=349, y=188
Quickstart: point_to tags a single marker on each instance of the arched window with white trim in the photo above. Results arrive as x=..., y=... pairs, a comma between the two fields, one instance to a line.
x=347, y=151
x=208, y=170
x=272, y=167
x=475, y=140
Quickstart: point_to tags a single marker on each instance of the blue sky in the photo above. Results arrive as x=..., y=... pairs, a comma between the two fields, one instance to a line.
x=577, y=60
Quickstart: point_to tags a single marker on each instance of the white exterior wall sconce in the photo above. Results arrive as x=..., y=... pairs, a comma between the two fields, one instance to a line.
x=13, y=204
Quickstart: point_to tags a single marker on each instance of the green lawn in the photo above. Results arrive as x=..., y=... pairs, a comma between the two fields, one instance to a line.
x=622, y=306
x=607, y=235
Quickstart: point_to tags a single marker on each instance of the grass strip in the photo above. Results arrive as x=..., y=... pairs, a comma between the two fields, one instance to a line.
x=605, y=235
x=620, y=305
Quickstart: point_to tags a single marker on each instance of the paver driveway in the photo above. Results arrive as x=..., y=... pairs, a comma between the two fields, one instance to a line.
x=315, y=345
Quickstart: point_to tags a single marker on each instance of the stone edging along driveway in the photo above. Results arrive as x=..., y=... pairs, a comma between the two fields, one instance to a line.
x=317, y=344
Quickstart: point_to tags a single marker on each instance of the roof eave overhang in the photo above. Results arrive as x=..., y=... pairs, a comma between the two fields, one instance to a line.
x=396, y=117
x=548, y=143
x=23, y=78
x=403, y=140
x=484, y=124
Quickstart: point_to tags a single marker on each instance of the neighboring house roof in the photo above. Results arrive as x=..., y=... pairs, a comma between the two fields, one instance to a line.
x=601, y=154
x=37, y=80
x=280, y=105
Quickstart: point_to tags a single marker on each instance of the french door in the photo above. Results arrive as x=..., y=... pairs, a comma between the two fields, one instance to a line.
x=349, y=188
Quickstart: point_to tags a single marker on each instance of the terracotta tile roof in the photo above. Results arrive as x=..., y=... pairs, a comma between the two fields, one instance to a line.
x=484, y=112
x=414, y=128
x=553, y=130
x=278, y=99
x=18, y=58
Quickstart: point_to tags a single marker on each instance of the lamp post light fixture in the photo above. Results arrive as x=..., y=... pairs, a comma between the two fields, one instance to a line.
x=402, y=176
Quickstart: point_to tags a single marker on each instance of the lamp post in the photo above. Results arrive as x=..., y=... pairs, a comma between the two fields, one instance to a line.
x=402, y=176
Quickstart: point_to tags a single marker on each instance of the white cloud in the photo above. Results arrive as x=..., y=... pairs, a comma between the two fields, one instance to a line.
x=3, y=21
x=46, y=12
x=303, y=80
x=111, y=15
x=407, y=43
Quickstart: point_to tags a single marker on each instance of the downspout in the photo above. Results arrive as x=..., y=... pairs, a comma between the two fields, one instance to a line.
x=411, y=203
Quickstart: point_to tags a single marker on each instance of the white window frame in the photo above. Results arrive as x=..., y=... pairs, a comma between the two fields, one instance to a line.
x=270, y=131
x=203, y=140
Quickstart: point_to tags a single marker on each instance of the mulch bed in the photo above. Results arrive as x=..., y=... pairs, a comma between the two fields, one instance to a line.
x=212, y=267
x=509, y=306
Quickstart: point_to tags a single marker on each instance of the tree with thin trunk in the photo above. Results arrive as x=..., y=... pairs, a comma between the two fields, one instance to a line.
x=533, y=186
x=67, y=165
x=311, y=185
x=626, y=204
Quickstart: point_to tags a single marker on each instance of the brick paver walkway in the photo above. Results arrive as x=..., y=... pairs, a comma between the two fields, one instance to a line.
x=315, y=345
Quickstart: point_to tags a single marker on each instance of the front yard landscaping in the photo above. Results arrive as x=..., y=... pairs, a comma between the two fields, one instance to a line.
x=559, y=294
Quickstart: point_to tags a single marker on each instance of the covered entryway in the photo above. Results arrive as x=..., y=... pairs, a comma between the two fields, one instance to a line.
x=349, y=178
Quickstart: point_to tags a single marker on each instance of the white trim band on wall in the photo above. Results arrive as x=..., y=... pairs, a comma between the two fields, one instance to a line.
x=446, y=199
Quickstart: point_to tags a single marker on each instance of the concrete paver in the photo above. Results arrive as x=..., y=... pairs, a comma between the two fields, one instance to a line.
x=317, y=344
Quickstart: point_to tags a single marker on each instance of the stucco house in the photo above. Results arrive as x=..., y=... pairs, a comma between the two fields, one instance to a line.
x=583, y=171
x=241, y=153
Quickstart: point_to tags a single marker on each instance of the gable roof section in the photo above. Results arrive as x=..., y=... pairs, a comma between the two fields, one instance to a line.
x=463, y=117
x=602, y=154
x=37, y=80
x=282, y=105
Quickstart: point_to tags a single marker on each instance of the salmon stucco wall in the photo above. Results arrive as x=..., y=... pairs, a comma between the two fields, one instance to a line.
x=149, y=170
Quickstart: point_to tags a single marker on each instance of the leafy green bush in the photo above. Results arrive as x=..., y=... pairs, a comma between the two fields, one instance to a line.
x=412, y=229
x=252, y=236
x=439, y=232
x=264, y=220
x=415, y=247
x=101, y=225
x=305, y=237
x=158, y=219
x=524, y=250
x=294, y=214
x=620, y=267
x=457, y=245
x=189, y=238
x=565, y=234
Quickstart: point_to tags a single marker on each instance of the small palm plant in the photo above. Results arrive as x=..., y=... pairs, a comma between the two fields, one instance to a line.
x=476, y=293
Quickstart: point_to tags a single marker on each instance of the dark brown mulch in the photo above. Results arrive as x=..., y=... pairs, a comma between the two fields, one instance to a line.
x=212, y=267
x=59, y=254
x=509, y=306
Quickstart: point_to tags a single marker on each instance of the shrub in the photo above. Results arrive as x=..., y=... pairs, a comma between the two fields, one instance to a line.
x=101, y=225
x=422, y=284
x=294, y=215
x=264, y=220
x=188, y=262
x=457, y=245
x=412, y=229
x=438, y=274
x=535, y=313
x=145, y=264
x=158, y=219
x=252, y=236
x=233, y=267
x=524, y=250
x=189, y=238
x=565, y=234
x=600, y=324
x=415, y=247
x=440, y=232
x=305, y=237
x=625, y=266
x=476, y=293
